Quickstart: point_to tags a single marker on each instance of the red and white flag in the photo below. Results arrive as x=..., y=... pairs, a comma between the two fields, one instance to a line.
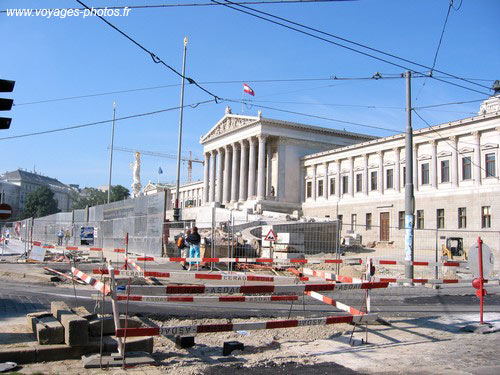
x=248, y=89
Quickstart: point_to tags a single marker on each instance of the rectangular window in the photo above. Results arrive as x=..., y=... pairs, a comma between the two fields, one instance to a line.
x=445, y=171
x=490, y=165
x=485, y=217
x=462, y=217
x=340, y=218
x=440, y=218
x=404, y=175
x=354, y=219
x=425, y=173
x=368, y=221
x=359, y=182
x=401, y=219
x=320, y=188
x=420, y=219
x=332, y=186
x=309, y=189
x=389, y=178
x=373, y=180
x=466, y=168
x=345, y=184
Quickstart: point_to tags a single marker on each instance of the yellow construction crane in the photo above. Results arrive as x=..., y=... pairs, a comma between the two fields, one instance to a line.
x=189, y=160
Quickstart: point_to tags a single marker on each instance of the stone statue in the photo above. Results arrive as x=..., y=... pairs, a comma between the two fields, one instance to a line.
x=136, y=173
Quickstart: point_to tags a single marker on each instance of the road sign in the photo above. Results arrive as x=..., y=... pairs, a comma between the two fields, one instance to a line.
x=5, y=211
x=271, y=236
x=488, y=260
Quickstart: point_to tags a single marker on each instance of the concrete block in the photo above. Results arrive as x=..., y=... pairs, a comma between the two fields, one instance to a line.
x=114, y=360
x=84, y=313
x=230, y=346
x=18, y=355
x=49, y=331
x=76, y=329
x=133, y=344
x=47, y=353
x=58, y=308
x=109, y=325
x=31, y=319
x=182, y=342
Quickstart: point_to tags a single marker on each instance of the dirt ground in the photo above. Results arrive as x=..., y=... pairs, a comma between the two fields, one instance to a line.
x=431, y=345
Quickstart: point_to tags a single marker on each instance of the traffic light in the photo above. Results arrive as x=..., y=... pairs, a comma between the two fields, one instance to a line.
x=6, y=104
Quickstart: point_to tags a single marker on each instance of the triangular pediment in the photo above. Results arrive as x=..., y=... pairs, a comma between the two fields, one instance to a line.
x=228, y=124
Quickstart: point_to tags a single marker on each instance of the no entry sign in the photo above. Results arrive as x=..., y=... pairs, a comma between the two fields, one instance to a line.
x=5, y=211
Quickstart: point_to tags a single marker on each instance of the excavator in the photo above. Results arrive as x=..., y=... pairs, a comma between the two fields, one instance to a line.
x=454, y=248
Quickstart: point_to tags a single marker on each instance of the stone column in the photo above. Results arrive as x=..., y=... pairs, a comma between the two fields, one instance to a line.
x=220, y=170
x=227, y=174
x=314, y=185
x=397, y=169
x=366, y=177
x=381, y=171
x=351, y=176
x=337, y=179
x=454, y=161
x=269, y=180
x=235, y=175
x=243, y=171
x=261, y=173
x=434, y=164
x=206, y=177
x=251, y=168
x=211, y=196
x=477, y=158
x=415, y=167
x=325, y=180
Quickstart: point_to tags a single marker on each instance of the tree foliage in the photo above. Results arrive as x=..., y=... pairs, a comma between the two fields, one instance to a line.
x=40, y=202
x=94, y=197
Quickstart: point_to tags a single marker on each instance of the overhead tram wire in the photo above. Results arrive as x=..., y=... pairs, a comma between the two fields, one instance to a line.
x=153, y=56
x=438, y=47
x=179, y=5
x=193, y=105
x=229, y=4
x=452, y=146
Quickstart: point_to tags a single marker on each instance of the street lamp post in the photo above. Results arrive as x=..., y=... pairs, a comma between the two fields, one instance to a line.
x=111, y=152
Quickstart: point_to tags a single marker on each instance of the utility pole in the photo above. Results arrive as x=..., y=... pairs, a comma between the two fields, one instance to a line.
x=409, y=196
x=111, y=152
x=179, y=145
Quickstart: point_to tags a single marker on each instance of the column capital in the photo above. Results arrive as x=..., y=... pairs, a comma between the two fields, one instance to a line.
x=475, y=133
x=337, y=162
x=252, y=141
x=396, y=149
x=365, y=155
x=380, y=152
x=433, y=142
x=236, y=145
x=350, y=158
x=227, y=148
x=213, y=152
x=262, y=137
x=220, y=149
x=454, y=138
x=242, y=142
x=497, y=128
x=325, y=164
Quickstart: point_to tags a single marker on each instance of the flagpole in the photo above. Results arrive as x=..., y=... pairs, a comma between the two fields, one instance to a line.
x=242, y=98
x=111, y=152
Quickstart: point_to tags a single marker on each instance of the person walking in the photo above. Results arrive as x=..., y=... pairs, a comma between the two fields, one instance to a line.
x=183, y=246
x=194, y=240
x=67, y=236
x=60, y=236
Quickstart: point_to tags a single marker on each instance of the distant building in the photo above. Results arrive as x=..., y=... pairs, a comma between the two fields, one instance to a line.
x=28, y=182
x=9, y=193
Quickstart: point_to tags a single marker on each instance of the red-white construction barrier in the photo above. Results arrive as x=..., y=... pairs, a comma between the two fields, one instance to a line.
x=251, y=260
x=96, y=284
x=119, y=250
x=422, y=281
x=331, y=276
x=244, y=326
x=337, y=304
x=248, y=289
x=448, y=263
x=209, y=299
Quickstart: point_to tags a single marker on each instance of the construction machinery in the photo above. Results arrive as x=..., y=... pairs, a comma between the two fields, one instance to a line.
x=454, y=248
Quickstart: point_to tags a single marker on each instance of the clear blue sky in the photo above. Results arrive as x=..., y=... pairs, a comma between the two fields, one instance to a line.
x=57, y=58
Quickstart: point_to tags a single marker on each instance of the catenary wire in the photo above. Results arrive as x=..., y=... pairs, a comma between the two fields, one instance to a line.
x=228, y=4
x=194, y=105
x=153, y=56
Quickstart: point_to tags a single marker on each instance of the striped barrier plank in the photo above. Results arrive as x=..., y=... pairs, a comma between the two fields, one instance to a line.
x=329, y=276
x=204, y=299
x=119, y=250
x=422, y=281
x=96, y=284
x=244, y=326
x=95, y=249
x=337, y=304
x=248, y=289
x=254, y=260
x=189, y=276
x=448, y=263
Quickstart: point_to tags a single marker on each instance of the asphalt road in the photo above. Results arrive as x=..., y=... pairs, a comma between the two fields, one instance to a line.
x=14, y=247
